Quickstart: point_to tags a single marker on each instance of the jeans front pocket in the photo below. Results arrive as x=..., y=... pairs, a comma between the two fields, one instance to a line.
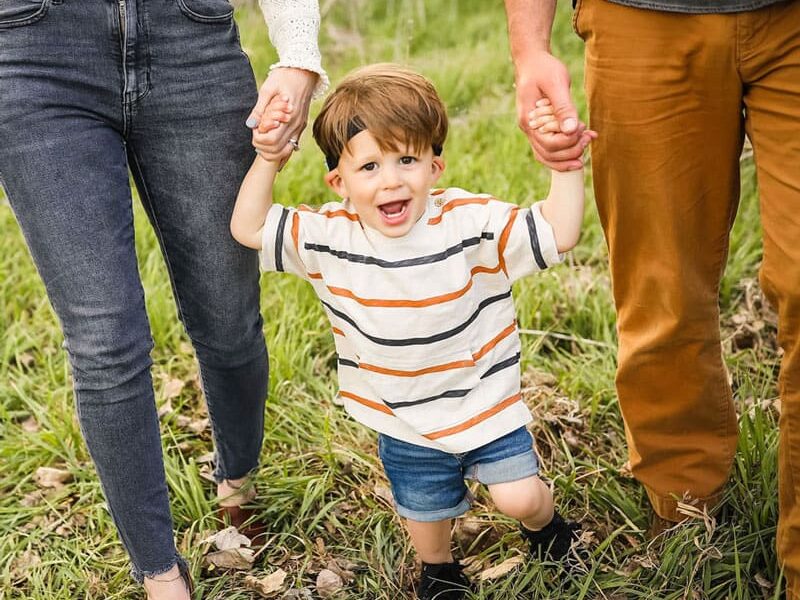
x=207, y=11
x=16, y=13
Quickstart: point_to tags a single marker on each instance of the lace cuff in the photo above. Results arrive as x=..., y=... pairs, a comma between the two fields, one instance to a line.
x=293, y=30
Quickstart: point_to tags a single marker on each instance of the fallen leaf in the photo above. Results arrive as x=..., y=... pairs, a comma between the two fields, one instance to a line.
x=25, y=359
x=30, y=425
x=198, y=425
x=328, y=583
x=48, y=477
x=334, y=566
x=233, y=558
x=32, y=498
x=208, y=457
x=503, y=568
x=173, y=388
x=229, y=539
x=298, y=594
x=165, y=409
x=383, y=492
x=763, y=582
x=22, y=563
x=266, y=586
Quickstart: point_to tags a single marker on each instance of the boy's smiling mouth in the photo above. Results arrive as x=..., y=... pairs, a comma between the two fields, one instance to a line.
x=395, y=212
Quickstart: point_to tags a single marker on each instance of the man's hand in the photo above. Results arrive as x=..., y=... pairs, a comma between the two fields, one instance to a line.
x=273, y=136
x=544, y=124
x=541, y=75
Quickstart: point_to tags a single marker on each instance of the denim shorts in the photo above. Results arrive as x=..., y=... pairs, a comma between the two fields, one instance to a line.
x=428, y=484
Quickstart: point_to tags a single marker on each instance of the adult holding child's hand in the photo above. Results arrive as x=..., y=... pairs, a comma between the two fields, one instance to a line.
x=296, y=78
x=541, y=75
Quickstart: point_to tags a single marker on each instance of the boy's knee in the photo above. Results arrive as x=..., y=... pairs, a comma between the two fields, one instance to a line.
x=523, y=499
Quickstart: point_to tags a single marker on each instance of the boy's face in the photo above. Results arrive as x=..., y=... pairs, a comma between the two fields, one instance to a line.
x=389, y=190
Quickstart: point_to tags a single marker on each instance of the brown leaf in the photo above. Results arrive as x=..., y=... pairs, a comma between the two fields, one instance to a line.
x=198, y=425
x=328, y=583
x=48, y=477
x=173, y=388
x=298, y=594
x=24, y=562
x=233, y=558
x=266, y=586
x=165, y=409
x=503, y=568
x=30, y=425
x=384, y=492
x=763, y=582
x=229, y=539
x=340, y=570
x=32, y=498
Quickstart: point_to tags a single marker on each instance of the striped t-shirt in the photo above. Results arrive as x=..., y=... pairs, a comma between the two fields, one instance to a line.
x=424, y=324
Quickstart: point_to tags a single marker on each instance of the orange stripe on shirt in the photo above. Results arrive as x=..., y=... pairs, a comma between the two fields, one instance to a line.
x=368, y=403
x=337, y=331
x=494, y=341
x=501, y=244
x=459, y=364
x=405, y=303
x=331, y=213
x=479, y=418
x=296, y=231
x=455, y=204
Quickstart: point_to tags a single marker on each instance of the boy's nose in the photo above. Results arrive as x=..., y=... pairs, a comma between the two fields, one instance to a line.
x=391, y=178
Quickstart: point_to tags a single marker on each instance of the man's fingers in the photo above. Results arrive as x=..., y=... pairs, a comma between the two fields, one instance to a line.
x=556, y=89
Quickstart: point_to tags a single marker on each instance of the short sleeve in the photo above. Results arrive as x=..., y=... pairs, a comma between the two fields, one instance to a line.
x=280, y=241
x=527, y=243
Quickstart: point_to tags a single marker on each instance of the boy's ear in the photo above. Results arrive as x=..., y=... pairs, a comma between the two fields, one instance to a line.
x=437, y=168
x=334, y=181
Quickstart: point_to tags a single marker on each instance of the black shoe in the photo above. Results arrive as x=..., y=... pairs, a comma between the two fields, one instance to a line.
x=554, y=540
x=445, y=581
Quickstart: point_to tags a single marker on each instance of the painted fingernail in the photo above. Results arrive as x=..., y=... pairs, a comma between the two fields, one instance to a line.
x=251, y=122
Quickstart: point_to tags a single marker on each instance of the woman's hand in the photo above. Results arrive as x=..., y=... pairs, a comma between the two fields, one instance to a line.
x=275, y=138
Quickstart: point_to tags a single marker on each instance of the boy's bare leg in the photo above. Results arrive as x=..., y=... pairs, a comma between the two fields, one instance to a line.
x=528, y=500
x=431, y=540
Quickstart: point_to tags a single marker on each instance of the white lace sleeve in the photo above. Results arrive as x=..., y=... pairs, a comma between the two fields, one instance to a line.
x=293, y=30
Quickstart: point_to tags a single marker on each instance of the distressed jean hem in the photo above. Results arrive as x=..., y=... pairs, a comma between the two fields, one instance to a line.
x=139, y=574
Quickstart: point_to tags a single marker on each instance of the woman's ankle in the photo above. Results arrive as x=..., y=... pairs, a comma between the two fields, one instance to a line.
x=235, y=492
x=170, y=585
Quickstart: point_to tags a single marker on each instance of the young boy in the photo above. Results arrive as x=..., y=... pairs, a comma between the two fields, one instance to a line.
x=417, y=285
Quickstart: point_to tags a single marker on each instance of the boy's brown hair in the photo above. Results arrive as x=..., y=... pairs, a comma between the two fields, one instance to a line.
x=395, y=104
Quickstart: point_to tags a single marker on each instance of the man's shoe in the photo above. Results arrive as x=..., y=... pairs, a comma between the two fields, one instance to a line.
x=444, y=581
x=554, y=540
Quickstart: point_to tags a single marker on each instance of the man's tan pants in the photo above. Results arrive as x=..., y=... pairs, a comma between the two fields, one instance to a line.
x=672, y=96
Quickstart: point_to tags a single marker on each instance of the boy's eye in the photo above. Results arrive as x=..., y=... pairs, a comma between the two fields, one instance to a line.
x=408, y=160
x=370, y=166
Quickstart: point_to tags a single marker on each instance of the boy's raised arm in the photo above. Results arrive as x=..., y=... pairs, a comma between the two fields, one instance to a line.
x=253, y=203
x=563, y=207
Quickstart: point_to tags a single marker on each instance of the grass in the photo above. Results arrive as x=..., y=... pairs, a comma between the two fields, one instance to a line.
x=321, y=482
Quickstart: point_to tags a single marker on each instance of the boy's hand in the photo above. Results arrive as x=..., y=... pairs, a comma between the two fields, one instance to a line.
x=543, y=122
x=277, y=112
